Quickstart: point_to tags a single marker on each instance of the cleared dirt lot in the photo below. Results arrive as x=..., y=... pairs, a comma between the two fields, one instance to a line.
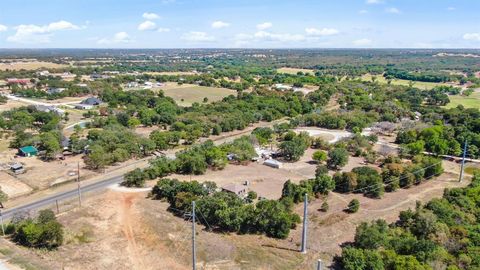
x=266, y=181
x=11, y=104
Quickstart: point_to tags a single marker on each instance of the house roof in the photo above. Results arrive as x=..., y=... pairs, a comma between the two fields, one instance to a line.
x=234, y=188
x=29, y=149
x=92, y=101
x=272, y=162
x=16, y=166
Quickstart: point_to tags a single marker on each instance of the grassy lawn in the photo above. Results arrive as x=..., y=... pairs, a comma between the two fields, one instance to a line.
x=472, y=101
x=294, y=71
x=186, y=95
x=420, y=85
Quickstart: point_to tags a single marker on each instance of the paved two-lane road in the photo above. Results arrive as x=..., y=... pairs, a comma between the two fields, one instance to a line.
x=61, y=196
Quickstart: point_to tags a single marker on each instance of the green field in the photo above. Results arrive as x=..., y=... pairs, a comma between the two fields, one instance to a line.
x=186, y=95
x=420, y=85
x=472, y=101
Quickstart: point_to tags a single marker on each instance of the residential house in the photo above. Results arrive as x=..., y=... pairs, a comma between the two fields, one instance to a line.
x=47, y=109
x=236, y=189
x=83, y=106
x=55, y=90
x=92, y=101
x=282, y=87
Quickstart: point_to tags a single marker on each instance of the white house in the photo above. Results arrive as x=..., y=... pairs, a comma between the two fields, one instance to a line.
x=282, y=87
x=82, y=106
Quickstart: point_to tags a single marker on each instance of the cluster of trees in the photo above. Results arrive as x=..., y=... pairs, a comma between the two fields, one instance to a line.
x=438, y=139
x=33, y=127
x=320, y=185
x=226, y=211
x=354, y=120
x=112, y=144
x=420, y=76
x=194, y=160
x=293, y=146
x=447, y=135
x=394, y=175
x=443, y=234
x=43, y=231
x=202, y=120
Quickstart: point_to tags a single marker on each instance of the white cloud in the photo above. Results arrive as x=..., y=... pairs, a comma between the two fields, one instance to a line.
x=451, y=8
x=242, y=39
x=3, y=28
x=362, y=42
x=147, y=25
x=163, y=30
x=393, y=10
x=120, y=37
x=472, y=36
x=363, y=11
x=150, y=16
x=220, y=24
x=166, y=2
x=373, y=2
x=321, y=32
x=264, y=26
x=195, y=36
x=286, y=37
x=31, y=33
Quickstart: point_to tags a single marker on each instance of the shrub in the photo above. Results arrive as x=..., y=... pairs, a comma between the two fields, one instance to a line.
x=353, y=206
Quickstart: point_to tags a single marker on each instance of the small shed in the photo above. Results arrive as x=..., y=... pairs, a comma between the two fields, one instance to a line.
x=17, y=168
x=273, y=163
x=28, y=151
x=238, y=190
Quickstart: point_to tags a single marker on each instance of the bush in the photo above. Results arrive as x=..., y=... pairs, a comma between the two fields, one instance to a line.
x=43, y=232
x=324, y=207
x=319, y=156
x=353, y=206
x=135, y=178
x=337, y=158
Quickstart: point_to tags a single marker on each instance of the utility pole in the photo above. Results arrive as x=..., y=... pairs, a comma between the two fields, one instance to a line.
x=463, y=160
x=194, y=250
x=319, y=264
x=78, y=185
x=1, y=221
x=305, y=217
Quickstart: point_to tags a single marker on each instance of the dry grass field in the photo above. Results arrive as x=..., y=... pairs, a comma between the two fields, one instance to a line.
x=30, y=65
x=185, y=95
x=420, y=85
x=294, y=71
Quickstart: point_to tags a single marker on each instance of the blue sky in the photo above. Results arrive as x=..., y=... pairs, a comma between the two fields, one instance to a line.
x=239, y=24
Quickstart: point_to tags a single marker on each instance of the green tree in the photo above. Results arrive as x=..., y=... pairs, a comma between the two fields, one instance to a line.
x=97, y=158
x=337, y=158
x=135, y=178
x=353, y=206
x=49, y=142
x=319, y=156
